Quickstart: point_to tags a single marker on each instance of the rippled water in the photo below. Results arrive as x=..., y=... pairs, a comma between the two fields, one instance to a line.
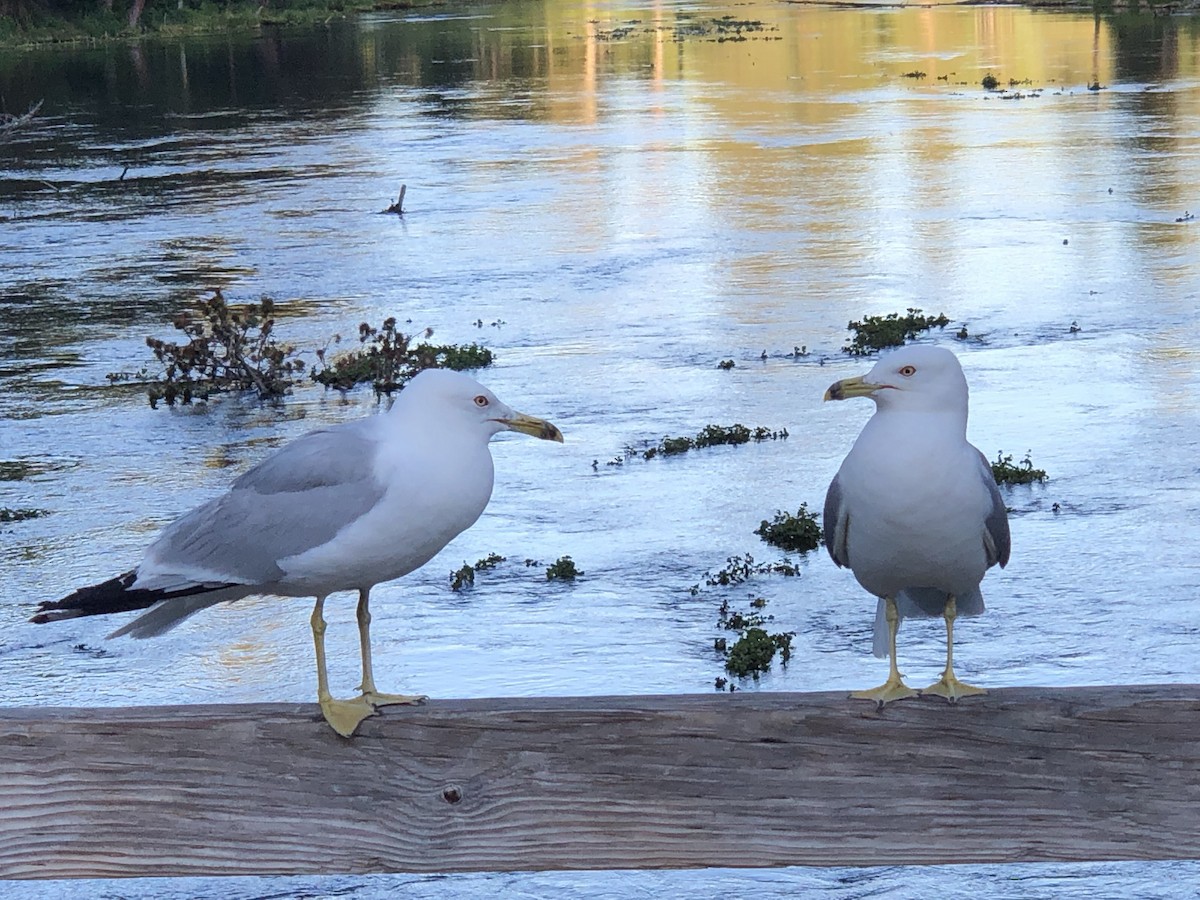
x=622, y=200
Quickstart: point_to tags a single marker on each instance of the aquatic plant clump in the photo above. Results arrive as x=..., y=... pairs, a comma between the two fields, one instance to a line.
x=725, y=28
x=563, y=569
x=1006, y=471
x=465, y=577
x=742, y=568
x=755, y=648
x=388, y=358
x=710, y=436
x=462, y=578
x=879, y=332
x=228, y=349
x=797, y=533
x=8, y=515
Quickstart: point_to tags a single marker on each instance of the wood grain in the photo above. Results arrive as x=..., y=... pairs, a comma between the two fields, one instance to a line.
x=746, y=779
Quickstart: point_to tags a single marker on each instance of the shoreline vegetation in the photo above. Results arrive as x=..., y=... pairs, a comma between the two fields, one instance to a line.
x=26, y=24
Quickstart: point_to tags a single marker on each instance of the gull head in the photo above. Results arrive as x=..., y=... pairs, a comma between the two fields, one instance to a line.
x=913, y=378
x=459, y=400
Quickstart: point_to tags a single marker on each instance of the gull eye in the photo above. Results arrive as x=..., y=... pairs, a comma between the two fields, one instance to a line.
x=908, y=371
x=481, y=401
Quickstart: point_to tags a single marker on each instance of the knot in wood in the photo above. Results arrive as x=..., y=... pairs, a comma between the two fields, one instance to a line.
x=452, y=793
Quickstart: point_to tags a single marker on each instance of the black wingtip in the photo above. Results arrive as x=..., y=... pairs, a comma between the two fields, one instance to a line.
x=113, y=596
x=109, y=596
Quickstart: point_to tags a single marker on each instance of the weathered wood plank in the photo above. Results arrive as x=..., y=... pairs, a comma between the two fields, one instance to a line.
x=602, y=782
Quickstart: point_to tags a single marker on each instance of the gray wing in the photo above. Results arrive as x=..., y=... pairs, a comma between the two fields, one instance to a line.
x=997, y=541
x=836, y=522
x=296, y=499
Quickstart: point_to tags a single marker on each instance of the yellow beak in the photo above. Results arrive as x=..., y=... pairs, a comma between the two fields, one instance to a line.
x=851, y=387
x=532, y=425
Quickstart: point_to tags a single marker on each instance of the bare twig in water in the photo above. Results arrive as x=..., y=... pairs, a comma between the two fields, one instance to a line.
x=10, y=124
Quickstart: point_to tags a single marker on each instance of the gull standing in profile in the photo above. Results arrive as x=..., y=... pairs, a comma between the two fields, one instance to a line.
x=341, y=508
x=914, y=511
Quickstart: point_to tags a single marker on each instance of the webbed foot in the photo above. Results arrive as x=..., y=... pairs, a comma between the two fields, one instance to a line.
x=344, y=716
x=892, y=689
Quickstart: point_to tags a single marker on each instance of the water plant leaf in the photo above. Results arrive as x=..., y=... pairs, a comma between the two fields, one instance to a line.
x=797, y=533
x=755, y=648
x=875, y=333
x=1006, y=471
x=387, y=358
x=563, y=569
x=708, y=436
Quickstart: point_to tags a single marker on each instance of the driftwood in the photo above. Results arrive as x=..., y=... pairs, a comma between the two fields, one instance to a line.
x=10, y=124
x=749, y=779
x=398, y=206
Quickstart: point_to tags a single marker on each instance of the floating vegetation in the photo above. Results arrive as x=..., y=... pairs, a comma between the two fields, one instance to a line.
x=8, y=515
x=753, y=651
x=18, y=469
x=93, y=652
x=617, y=34
x=388, y=358
x=465, y=577
x=726, y=28
x=489, y=562
x=141, y=376
x=1008, y=472
x=878, y=332
x=229, y=348
x=990, y=82
x=742, y=568
x=562, y=569
x=725, y=365
x=709, y=436
x=462, y=578
x=797, y=533
x=916, y=73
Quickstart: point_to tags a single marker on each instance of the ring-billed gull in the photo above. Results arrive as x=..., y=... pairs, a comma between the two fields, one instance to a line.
x=914, y=511
x=341, y=508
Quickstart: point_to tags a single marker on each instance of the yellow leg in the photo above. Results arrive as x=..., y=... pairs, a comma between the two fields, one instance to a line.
x=949, y=686
x=894, y=688
x=369, y=693
x=344, y=716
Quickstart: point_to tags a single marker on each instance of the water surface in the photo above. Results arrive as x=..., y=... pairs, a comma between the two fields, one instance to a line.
x=614, y=199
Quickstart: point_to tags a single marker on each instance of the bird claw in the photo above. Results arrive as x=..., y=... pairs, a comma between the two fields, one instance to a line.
x=375, y=698
x=951, y=688
x=892, y=689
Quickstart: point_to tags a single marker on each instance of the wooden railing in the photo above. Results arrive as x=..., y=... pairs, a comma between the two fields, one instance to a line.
x=749, y=779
